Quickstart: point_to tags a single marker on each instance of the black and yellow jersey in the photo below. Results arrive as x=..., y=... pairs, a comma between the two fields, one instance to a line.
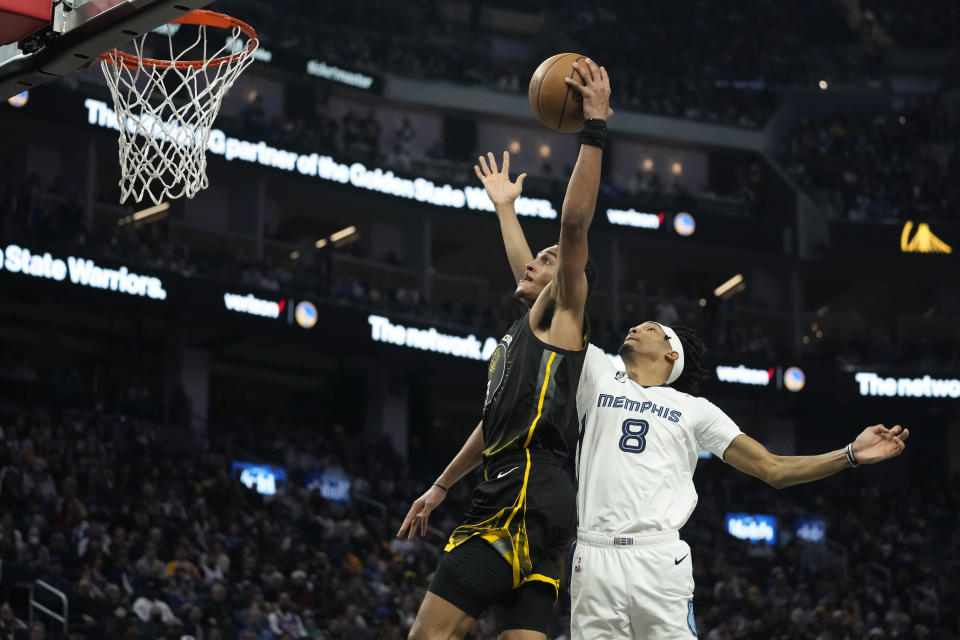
x=531, y=393
x=525, y=505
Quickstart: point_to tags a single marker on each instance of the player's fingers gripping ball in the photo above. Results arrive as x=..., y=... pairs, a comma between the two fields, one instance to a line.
x=555, y=104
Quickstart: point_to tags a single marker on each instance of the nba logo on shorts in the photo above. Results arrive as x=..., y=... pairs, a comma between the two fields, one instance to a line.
x=578, y=567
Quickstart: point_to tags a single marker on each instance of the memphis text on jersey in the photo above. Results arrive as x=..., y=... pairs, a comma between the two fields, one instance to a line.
x=623, y=402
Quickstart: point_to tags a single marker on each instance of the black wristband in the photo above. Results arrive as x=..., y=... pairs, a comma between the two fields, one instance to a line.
x=851, y=459
x=445, y=489
x=594, y=133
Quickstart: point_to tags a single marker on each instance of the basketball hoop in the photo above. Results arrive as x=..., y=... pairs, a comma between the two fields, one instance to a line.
x=166, y=107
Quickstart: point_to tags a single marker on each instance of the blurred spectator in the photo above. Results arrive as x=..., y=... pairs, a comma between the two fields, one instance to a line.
x=283, y=620
x=665, y=313
x=256, y=627
x=10, y=625
x=149, y=565
x=182, y=563
x=149, y=607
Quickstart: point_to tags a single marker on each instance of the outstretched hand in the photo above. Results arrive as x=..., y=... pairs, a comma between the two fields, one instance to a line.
x=419, y=514
x=497, y=182
x=877, y=443
x=595, y=89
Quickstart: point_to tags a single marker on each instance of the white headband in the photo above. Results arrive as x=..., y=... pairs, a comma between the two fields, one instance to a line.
x=678, y=347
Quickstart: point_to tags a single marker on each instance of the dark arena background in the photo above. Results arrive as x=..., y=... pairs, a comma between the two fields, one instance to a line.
x=215, y=412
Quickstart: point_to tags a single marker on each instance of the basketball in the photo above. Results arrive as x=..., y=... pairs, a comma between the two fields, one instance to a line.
x=552, y=101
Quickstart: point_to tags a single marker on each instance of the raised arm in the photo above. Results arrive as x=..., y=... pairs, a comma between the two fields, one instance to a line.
x=874, y=444
x=562, y=300
x=580, y=201
x=503, y=194
x=469, y=457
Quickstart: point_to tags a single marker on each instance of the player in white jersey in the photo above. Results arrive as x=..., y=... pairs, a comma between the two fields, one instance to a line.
x=642, y=430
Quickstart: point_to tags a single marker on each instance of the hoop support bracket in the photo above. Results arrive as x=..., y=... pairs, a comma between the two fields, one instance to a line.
x=79, y=46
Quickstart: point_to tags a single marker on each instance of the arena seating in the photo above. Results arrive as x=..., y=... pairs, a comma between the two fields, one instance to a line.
x=150, y=537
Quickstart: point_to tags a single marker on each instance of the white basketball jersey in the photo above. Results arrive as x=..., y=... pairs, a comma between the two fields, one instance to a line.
x=639, y=450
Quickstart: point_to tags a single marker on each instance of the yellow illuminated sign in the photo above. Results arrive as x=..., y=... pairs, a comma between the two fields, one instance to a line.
x=924, y=241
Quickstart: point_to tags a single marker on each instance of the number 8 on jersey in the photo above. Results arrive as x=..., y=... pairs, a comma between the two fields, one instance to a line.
x=633, y=440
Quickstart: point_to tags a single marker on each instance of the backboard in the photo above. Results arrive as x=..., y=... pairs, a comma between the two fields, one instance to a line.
x=78, y=32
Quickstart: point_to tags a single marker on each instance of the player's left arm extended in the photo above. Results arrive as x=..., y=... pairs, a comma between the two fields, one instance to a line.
x=503, y=194
x=874, y=444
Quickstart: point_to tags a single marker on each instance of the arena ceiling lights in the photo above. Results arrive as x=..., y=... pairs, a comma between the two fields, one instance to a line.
x=344, y=236
x=731, y=287
x=149, y=215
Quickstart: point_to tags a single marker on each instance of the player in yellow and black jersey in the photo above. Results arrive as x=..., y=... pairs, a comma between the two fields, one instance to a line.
x=523, y=514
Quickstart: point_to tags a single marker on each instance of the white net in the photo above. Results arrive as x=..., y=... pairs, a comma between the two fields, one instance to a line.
x=166, y=107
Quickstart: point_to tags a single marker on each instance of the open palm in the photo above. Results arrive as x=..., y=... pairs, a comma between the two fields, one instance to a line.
x=497, y=182
x=877, y=443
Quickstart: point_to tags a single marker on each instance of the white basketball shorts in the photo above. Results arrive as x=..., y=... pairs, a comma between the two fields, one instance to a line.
x=632, y=586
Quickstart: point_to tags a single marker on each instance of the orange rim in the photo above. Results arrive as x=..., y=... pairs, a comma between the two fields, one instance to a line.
x=199, y=17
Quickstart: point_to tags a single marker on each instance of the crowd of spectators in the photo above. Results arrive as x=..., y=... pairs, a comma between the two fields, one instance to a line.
x=717, y=61
x=713, y=61
x=899, y=163
x=150, y=537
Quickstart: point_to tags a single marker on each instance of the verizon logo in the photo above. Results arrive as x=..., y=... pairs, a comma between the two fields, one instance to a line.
x=745, y=375
x=253, y=305
x=633, y=218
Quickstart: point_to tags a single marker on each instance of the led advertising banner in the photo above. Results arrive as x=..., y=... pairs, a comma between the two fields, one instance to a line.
x=744, y=375
x=326, y=168
x=792, y=378
x=812, y=530
x=297, y=63
x=45, y=269
x=382, y=329
x=79, y=281
x=755, y=527
x=632, y=218
x=872, y=384
x=252, y=305
x=79, y=272
x=383, y=180
x=334, y=485
x=264, y=478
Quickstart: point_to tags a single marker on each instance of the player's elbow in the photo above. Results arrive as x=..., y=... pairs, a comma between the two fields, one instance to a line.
x=576, y=214
x=575, y=223
x=778, y=483
x=573, y=236
x=772, y=472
